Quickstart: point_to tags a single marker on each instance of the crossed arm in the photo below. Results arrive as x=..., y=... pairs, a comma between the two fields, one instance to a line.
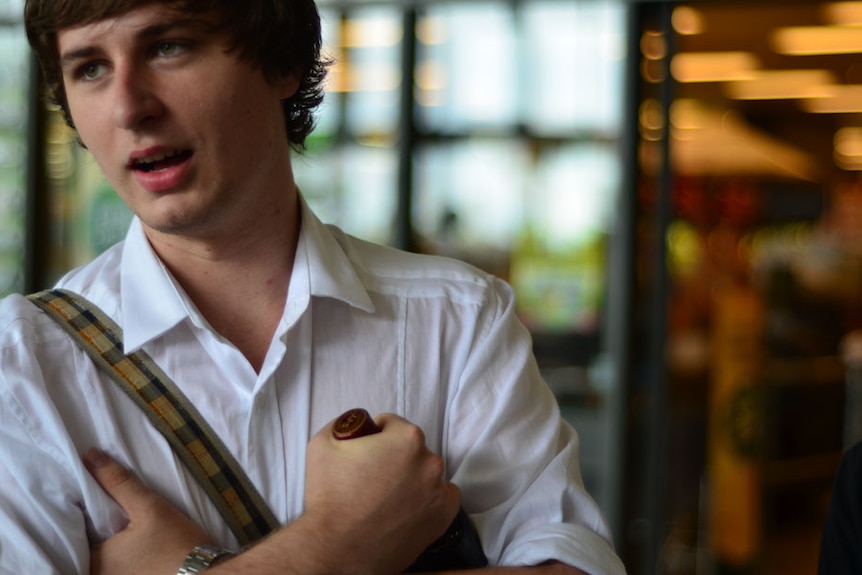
x=371, y=506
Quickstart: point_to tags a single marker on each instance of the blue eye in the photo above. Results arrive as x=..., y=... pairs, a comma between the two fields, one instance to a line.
x=169, y=49
x=91, y=71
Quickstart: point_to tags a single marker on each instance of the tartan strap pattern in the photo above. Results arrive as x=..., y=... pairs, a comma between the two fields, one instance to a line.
x=168, y=409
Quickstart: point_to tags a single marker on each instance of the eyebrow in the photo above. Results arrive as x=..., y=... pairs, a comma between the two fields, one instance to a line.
x=70, y=58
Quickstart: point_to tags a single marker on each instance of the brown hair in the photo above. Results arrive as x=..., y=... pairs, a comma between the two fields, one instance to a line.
x=282, y=37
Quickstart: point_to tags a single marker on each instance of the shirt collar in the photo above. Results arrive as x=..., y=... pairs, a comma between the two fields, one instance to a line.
x=148, y=294
x=332, y=270
x=153, y=303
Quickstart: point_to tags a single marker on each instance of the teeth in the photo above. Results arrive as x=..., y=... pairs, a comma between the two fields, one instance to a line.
x=156, y=158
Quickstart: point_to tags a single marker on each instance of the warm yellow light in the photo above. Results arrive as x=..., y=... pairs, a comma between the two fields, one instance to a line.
x=688, y=114
x=783, y=85
x=843, y=13
x=811, y=40
x=371, y=32
x=430, y=76
x=652, y=71
x=842, y=100
x=653, y=45
x=687, y=21
x=848, y=148
x=377, y=78
x=651, y=120
x=713, y=66
x=431, y=31
x=848, y=142
x=707, y=140
x=850, y=166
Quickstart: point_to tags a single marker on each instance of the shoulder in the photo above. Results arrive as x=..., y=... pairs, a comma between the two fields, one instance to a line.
x=97, y=279
x=390, y=271
x=21, y=322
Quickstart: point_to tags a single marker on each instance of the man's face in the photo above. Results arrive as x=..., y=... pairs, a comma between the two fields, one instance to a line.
x=184, y=131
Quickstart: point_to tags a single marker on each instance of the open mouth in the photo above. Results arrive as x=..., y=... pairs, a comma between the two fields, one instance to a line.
x=161, y=161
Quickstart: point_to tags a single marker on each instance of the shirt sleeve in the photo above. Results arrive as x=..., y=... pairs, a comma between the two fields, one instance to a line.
x=841, y=544
x=44, y=528
x=515, y=458
x=48, y=501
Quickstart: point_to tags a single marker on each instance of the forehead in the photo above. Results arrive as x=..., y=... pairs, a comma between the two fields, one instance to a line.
x=140, y=20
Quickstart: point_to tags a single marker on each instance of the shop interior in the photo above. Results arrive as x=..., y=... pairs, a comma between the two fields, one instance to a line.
x=672, y=189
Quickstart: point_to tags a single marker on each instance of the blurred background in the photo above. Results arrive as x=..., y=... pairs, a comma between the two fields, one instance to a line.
x=672, y=189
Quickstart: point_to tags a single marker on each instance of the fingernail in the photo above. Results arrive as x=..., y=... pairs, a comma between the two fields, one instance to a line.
x=96, y=458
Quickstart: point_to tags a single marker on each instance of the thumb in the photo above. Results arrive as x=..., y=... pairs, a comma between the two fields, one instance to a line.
x=117, y=481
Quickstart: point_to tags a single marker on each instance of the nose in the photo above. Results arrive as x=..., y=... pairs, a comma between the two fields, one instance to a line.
x=136, y=102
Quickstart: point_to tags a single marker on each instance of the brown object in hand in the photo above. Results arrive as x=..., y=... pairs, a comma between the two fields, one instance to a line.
x=354, y=423
x=458, y=548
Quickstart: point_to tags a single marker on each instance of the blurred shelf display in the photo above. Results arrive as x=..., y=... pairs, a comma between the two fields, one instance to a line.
x=747, y=281
x=14, y=110
x=514, y=118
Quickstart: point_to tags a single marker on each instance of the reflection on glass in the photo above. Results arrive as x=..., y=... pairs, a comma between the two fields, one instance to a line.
x=572, y=59
x=355, y=191
x=466, y=77
x=349, y=173
x=370, y=70
x=533, y=204
x=14, y=72
x=573, y=193
x=471, y=194
x=11, y=10
x=558, y=267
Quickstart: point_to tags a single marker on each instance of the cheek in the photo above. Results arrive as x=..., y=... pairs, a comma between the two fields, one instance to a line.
x=80, y=120
x=90, y=128
x=96, y=147
x=250, y=121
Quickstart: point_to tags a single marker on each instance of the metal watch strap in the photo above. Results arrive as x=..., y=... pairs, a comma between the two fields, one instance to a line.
x=201, y=558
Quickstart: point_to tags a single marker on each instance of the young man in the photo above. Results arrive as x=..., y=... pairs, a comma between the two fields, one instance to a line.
x=271, y=324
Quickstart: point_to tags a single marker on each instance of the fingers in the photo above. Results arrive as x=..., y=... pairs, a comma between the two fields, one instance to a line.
x=117, y=481
x=390, y=419
x=157, y=536
x=399, y=435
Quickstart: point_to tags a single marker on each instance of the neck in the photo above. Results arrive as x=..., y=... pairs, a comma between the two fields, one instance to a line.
x=239, y=278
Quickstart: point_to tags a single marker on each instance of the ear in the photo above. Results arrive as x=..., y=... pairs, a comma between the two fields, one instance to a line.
x=287, y=85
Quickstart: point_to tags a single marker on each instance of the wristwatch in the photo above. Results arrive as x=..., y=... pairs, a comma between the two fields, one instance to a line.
x=202, y=558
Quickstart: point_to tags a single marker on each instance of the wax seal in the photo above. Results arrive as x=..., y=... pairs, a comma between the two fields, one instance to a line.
x=354, y=423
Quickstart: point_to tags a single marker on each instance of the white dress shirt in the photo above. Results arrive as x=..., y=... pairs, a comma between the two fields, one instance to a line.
x=428, y=338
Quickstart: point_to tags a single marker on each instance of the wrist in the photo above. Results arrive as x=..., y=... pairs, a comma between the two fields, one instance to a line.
x=202, y=558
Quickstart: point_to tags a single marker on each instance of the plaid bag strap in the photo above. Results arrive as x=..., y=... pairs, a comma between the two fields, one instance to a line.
x=192, y=439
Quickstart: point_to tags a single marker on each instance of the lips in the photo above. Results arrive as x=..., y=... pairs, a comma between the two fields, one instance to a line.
x=160, y=160
x=160, y=170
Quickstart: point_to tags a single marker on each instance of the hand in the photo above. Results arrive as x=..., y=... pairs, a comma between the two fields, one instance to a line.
x=382, y=497
x=158, y=536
